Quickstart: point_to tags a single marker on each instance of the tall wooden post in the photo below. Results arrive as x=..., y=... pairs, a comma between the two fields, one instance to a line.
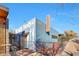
x=48, y=24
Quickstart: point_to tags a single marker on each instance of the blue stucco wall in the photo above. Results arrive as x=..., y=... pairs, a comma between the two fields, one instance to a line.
x=41, y=35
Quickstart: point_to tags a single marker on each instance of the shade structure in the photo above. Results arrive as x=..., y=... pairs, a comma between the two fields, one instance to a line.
x=3, y=14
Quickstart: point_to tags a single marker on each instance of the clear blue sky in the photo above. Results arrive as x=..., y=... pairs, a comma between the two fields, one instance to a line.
x=63, y=16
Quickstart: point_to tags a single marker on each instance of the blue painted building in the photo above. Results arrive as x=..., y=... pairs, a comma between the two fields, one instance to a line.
x=37, y=36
